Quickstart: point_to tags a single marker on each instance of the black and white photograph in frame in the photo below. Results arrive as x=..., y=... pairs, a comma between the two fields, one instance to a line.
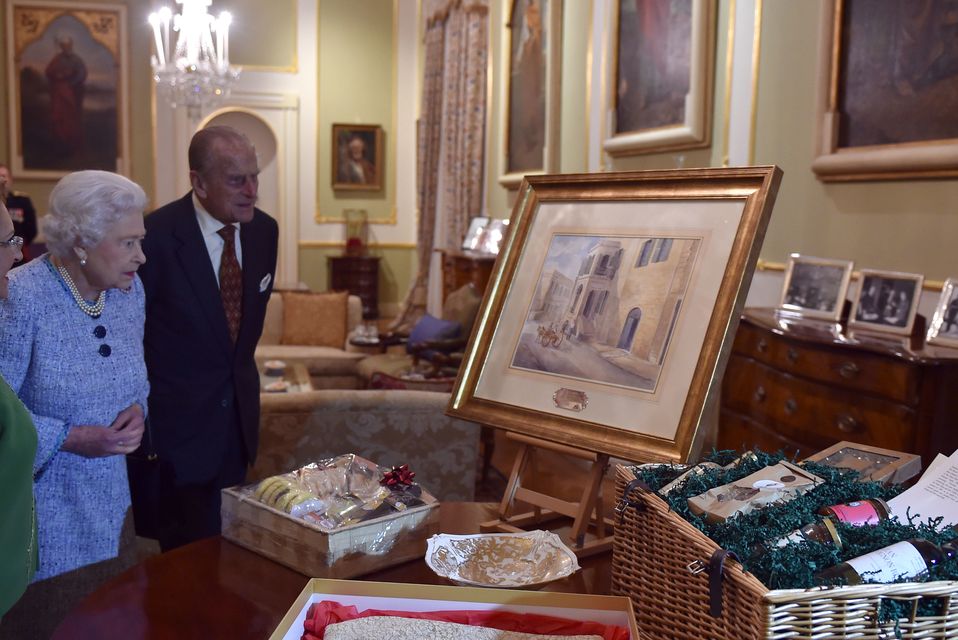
x=815, y=287
x=886, y=301
x=944, y=324
x=474, y=234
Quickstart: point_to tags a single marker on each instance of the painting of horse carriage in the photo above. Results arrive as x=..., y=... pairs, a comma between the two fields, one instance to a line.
x=605, y=307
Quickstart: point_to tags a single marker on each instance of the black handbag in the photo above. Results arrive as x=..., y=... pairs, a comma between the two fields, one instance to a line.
x=143, y=468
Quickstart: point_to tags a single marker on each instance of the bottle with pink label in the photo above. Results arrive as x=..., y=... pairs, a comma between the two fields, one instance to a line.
x=857, y=513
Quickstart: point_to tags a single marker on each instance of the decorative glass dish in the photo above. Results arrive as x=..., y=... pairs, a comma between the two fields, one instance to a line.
x=507, y=560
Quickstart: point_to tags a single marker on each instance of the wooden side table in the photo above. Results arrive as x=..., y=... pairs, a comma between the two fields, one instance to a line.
x=360, y=276
x=803, y=385
x=463, y=267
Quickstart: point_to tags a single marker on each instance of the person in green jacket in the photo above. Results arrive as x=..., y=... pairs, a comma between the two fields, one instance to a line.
x=18, y=447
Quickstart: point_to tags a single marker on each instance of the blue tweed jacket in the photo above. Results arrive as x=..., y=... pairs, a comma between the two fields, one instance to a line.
x=52, y=358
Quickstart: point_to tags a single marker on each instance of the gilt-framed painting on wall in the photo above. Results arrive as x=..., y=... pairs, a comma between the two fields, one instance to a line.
x=612, y=296
x=660, y=85
x=531, y=61
x=357, y=157
x=889, y=91
x=68, y=89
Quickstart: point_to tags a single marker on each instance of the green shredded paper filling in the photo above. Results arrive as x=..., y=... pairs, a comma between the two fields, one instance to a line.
x=794, y=565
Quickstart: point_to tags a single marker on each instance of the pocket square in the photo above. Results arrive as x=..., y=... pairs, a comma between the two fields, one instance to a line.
x=264, y=283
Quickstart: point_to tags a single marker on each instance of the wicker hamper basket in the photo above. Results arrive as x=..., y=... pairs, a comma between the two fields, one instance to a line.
x=656, y=552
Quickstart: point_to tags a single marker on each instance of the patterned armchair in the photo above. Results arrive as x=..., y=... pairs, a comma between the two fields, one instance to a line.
x=386, y=427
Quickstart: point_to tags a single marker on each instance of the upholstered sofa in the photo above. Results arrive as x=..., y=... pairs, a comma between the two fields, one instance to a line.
x=387, y=427
x=329, y=367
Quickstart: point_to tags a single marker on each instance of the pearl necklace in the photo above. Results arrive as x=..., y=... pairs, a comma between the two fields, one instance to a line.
x=93, y=310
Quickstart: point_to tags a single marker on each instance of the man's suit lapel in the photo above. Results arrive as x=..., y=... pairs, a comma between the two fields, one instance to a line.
x=195, y=260
x=255, y=267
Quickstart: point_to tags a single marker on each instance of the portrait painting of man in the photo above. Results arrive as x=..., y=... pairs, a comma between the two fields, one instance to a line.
x=357, y=157
x=68, y=79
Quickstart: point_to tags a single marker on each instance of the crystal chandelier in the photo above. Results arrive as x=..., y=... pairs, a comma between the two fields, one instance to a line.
x=194, y=72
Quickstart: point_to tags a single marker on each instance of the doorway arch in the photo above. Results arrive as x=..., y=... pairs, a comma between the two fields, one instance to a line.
x=629, y=328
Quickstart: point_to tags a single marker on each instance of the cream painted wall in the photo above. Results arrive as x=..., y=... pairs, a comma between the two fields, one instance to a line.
x=355, y=87
x=367, y=62
x=905, y=226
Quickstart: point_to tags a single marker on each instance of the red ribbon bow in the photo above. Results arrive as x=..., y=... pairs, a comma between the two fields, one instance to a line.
x=398, y=478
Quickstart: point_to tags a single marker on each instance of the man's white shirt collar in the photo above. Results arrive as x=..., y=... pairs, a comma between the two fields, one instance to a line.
x=208, y=224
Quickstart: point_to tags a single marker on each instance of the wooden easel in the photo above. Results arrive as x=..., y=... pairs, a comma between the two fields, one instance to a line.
x=590, y=532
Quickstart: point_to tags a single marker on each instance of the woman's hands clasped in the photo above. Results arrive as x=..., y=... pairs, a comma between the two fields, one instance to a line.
x=120, y=438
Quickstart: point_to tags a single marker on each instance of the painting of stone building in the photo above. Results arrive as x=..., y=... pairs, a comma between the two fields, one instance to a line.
x=605, y=307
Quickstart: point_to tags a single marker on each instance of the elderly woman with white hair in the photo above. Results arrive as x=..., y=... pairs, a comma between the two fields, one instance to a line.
x=71, y=347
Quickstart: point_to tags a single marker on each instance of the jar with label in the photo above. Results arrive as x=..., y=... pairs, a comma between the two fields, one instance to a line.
x=909, y=560
x=857, y=513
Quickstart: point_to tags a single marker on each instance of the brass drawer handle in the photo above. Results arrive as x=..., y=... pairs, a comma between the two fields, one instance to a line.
x=847, y=424
x=759, y=394
x=762, y=346
x=848, y=370
x=791, y=356
x=791, y=406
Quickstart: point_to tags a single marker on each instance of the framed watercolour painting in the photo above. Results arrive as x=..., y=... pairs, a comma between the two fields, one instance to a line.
x=815, y=287
x=357, y=157
x=531, y=60
x=886, y=301
x=944, y=324
x=67, y=83
x=889, y=92
x=660, y=87
x=604, y=322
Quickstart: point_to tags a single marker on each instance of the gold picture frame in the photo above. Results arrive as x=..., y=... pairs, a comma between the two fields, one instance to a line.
x=884, y=112
x=585, y=256
x=815, y=287
x=357, y=157
x=531, y=85
x=944, y=324
x=886, y=301
x=660, y=85
x=68, y=87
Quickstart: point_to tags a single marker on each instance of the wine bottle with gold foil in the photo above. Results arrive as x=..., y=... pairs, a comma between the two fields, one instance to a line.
x=909, y=560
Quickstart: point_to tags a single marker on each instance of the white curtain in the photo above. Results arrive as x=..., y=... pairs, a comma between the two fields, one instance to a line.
x=451, y=136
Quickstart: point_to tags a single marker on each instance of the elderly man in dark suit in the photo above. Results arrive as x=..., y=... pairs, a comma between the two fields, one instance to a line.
x=211, y=259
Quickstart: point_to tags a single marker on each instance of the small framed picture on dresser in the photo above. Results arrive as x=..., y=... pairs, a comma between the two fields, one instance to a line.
x=944, y=324
x=886, y=301
x=815, y=287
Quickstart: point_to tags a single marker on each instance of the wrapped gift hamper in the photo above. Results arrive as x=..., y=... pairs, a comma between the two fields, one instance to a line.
x=335, y=518
x=684, y=585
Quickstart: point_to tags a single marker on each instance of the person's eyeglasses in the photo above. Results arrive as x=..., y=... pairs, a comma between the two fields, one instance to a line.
x=16, y=242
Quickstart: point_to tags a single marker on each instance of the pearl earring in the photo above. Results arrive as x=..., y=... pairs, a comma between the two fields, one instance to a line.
x=82, y=262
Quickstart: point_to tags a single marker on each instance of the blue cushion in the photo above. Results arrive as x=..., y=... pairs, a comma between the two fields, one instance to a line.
x=432, y=328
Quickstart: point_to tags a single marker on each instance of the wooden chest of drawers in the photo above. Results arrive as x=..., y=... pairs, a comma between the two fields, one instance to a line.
x=803, y=385
x=360, y=276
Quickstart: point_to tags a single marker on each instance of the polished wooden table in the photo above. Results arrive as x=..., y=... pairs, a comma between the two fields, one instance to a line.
x=215, y=589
